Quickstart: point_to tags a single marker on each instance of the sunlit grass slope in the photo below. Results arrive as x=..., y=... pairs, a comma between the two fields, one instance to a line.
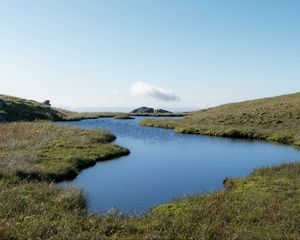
x=274, y=119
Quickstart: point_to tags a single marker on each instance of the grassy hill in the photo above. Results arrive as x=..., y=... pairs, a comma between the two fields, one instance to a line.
x=19, y=109
x=274, y=119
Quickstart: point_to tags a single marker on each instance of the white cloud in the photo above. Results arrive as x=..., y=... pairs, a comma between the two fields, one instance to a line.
x=145, y=89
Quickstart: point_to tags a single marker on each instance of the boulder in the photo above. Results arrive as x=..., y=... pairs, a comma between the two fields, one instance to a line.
x=229, y=183
x=47, y=103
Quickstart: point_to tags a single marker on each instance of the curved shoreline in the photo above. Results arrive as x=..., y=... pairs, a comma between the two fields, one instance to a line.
x=263, y=205
x=233, y=133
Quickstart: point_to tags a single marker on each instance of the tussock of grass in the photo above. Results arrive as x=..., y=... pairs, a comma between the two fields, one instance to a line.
x=43, y=150
x=274, y=119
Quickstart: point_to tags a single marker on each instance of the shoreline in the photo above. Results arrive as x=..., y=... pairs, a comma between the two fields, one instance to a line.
x=262, y=205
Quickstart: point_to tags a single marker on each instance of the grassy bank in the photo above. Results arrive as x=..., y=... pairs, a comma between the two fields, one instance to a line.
x=159, y=114
x=123, y=116
x=274, y=119
x=263, y=206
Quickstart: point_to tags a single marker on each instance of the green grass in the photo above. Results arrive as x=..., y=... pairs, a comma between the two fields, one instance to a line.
x=123, y=116
x=44, y=150
x=17, y=109
x=263, y=206
x=274, y=119
x=158, y=114
x=76, y=116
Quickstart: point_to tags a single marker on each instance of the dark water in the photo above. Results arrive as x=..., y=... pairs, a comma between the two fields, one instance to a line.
x=164, y=165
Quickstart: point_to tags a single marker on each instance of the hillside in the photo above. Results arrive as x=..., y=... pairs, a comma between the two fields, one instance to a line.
x=274, y=119
x=19, y=109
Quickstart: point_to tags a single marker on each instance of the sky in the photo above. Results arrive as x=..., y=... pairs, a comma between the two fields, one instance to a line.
x=160, y=53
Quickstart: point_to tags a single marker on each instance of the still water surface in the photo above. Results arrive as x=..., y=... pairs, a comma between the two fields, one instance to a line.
x=164, y=165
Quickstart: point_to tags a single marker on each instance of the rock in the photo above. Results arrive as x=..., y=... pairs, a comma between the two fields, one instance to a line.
x=143, y=110
x=47, y=103
x=161, y=111
x=2, y=104
x=148, y=110
x=229, y=183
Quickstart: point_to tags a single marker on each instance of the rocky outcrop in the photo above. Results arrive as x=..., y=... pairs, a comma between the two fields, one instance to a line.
x=142, y=110
x=47, y=103
x=148, y=110
x=229, y=183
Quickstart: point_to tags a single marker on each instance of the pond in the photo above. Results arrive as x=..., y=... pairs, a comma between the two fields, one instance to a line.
x=164, y=165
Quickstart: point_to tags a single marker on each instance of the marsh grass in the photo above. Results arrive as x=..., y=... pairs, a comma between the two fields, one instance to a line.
x=264, y=205
x=123, y=116
x=44, y=150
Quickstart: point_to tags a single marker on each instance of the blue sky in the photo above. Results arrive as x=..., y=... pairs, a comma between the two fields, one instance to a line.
x=161, y=53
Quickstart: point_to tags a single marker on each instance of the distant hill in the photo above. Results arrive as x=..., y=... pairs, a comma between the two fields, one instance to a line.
x=275, y=118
